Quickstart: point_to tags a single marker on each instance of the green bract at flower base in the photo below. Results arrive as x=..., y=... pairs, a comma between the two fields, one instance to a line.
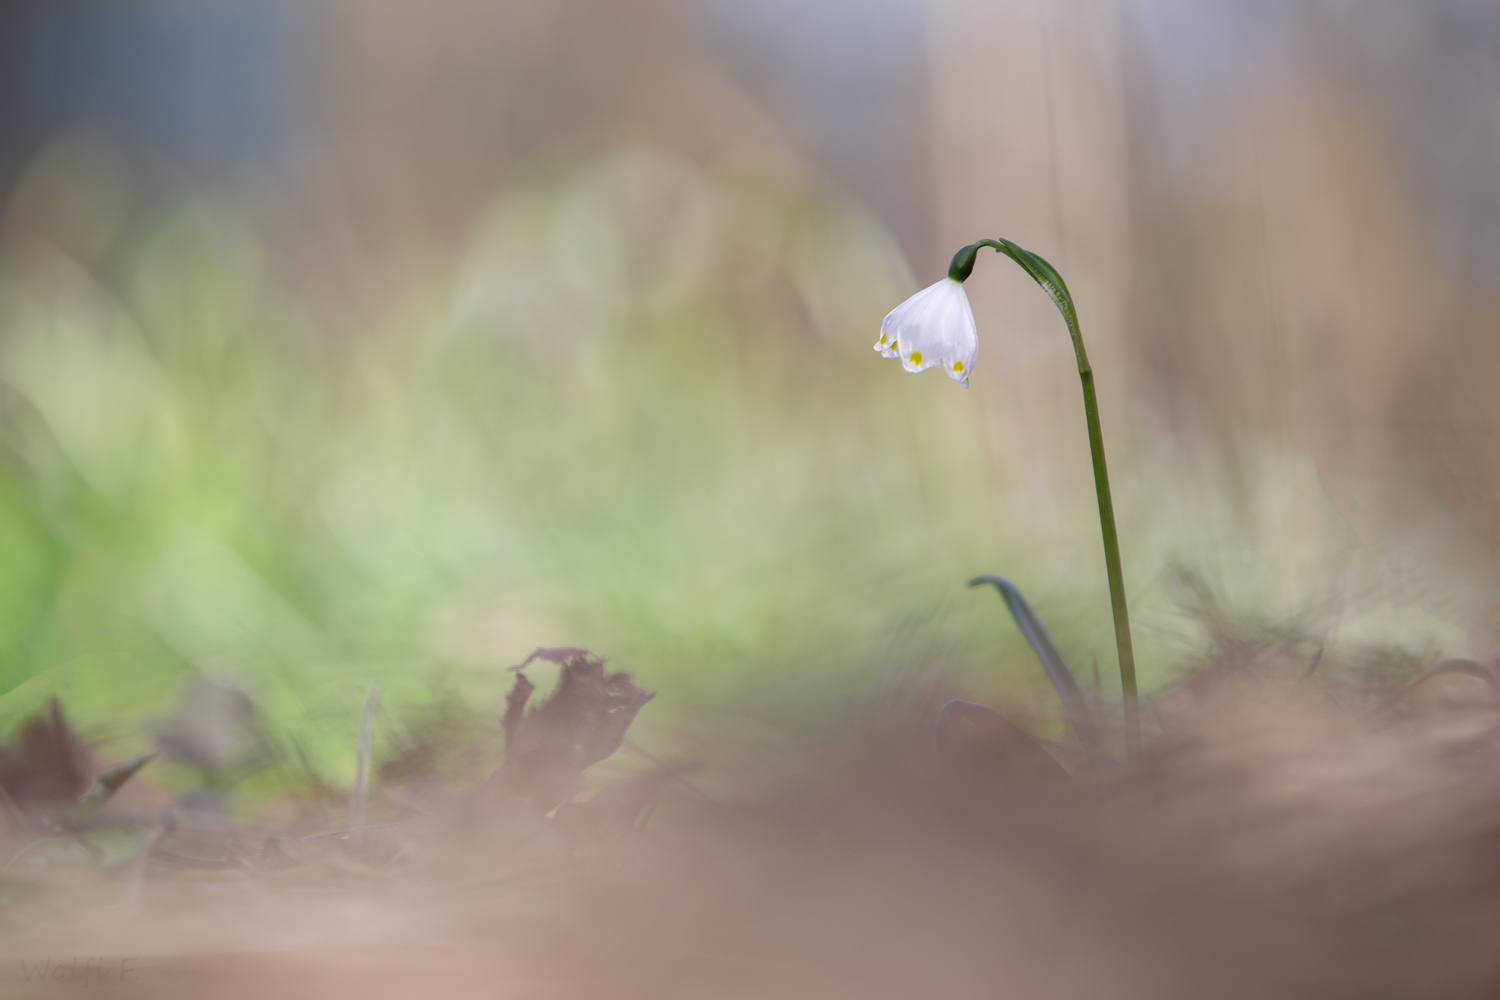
x=936, y=327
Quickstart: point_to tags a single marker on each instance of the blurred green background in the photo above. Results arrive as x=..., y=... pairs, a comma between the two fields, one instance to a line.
x=347, y=341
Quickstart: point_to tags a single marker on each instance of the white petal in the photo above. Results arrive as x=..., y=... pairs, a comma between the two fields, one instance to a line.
x=935, y=327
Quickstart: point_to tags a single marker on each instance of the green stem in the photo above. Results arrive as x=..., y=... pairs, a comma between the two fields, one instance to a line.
x=1052, y=283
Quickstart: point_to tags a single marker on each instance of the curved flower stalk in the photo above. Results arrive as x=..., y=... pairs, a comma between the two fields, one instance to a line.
x=936, y=326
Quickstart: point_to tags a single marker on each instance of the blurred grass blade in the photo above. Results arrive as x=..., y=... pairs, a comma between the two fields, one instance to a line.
x=1052, y=662
x=91, y=801
x=362, y=758
x=1455, y=665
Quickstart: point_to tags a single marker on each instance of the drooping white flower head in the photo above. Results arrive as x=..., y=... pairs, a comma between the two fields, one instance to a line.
x=933, y=327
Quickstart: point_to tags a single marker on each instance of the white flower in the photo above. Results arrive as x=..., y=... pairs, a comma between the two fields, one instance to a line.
x=933, y=327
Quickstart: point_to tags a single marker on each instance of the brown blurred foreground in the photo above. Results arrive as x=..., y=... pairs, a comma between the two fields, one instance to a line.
x=1282, y=837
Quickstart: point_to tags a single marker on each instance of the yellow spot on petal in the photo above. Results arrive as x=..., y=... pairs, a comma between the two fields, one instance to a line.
x=958, y=366
x=916, y=357
x=882, y=338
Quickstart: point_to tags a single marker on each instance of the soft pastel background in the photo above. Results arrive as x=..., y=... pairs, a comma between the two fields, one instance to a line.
x=364, y=340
